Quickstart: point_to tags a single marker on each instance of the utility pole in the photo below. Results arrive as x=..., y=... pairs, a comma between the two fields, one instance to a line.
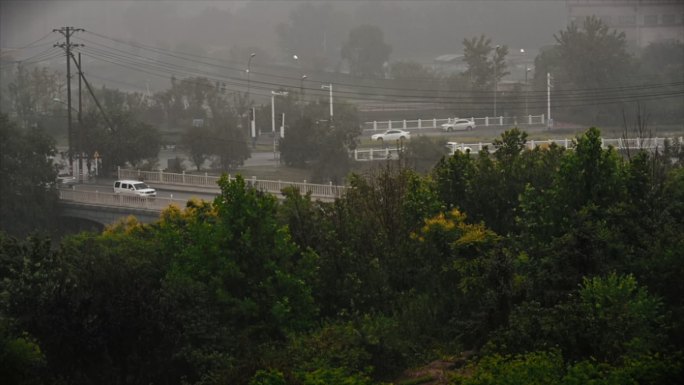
x=253, y=124
x=273, y=95
x=548, y=101
x=80, y=121
x=67, y=32
x=496, y=80
x=329, y=87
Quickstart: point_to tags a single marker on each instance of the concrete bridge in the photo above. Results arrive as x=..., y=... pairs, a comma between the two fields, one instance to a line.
x=106, y=208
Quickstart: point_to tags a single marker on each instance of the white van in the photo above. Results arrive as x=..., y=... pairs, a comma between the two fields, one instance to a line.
x=134, y=187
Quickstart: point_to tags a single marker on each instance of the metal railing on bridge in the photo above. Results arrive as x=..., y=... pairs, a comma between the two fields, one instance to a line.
x=319, y=191
x=419, y=124
x=118, y=200
x=369, y=154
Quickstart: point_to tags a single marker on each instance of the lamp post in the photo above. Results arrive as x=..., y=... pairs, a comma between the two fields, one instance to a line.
x=250, y=128
x=330, y=88
x=527, y=70
x=249, y=64
x=273, y=95
x=301, y=87
x=302, y=77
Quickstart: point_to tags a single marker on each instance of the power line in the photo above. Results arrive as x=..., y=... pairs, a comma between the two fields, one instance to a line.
x=193, y=58
x=466, y=95
x=32, y=43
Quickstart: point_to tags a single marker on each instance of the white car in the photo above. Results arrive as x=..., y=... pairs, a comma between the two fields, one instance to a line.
x=458, y=124
x=392, y=135
x=66, y=180
x=455, y=146
x=134, y=187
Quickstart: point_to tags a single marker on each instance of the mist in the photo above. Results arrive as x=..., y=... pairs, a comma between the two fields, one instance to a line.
x=418, y=30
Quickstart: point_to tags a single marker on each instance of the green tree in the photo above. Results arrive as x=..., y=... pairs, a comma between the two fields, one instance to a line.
x=549, y=368
x=229, y=144
x=607, y=318
x=423, y=153
x=592, y=58
x=483, y=71
x=32, y=94
x=366, y=52
x=126, y=141
x=322, y=145
x=27, y=179
x=20, y=356
x=237, y=282
x=94, y=306
x=198, y=142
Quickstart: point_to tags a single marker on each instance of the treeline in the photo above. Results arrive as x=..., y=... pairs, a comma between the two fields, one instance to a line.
x=547, y=266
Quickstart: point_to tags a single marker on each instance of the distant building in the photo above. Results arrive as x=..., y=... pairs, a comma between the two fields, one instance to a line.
x=642, y=21
x=450, y=63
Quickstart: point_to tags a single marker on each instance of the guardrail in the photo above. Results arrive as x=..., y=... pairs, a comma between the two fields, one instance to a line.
x=370, y=154
x=419, y=124
x=118, y=200
x=321, y=191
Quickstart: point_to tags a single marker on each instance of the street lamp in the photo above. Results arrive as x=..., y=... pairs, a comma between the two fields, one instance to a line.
x=249, y=63
x=301, y=85
x=527, y=70
x=273, y=95
x=251, y=128
x=302, y=77
x=330, y=88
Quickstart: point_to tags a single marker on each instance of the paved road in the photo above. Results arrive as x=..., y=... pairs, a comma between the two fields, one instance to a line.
x=105, y=185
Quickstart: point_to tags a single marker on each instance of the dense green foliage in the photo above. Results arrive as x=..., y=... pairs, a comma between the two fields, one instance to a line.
x=27, y=179
x=315, y=141
x=550, y=266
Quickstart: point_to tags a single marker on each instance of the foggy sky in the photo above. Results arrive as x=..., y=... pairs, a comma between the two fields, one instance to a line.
x=412, y=28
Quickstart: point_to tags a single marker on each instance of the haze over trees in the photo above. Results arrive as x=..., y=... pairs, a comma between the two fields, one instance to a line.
x=519, y=266
x=553, y=264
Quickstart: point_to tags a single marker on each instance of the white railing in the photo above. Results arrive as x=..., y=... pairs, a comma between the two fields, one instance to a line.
x=419, y=124
x=323, y=191
x=118, y=200
x=369, y=154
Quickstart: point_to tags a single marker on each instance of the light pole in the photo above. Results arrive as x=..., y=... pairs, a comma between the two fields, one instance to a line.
x=302, y=76
x=250, y=129
x=527, y=70
x=249, y=64
x=273, y=95
x=301, y=90
x=330, y=88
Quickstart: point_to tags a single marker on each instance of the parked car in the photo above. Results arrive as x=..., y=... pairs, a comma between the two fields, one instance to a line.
x=459, y=124
x=391, y=135
x=455, y=146
x=134, y=187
